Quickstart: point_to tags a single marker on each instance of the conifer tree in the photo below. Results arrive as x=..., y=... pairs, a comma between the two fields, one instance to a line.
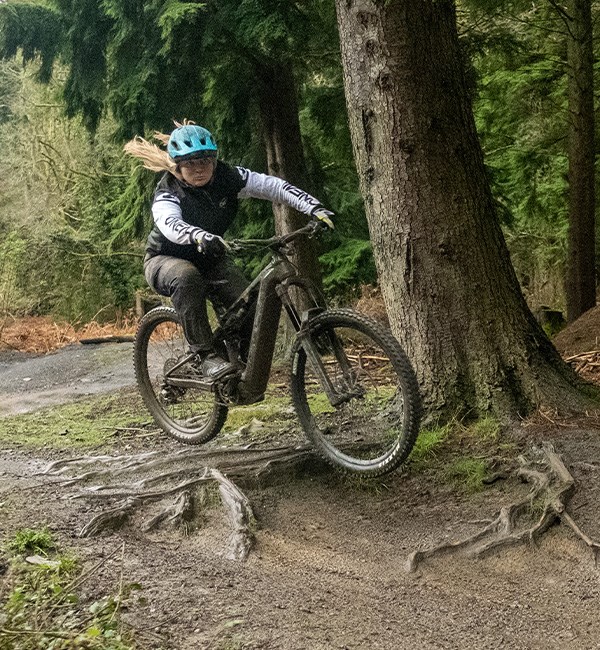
x=451, y=291
x=535, y=114
x=150, y=61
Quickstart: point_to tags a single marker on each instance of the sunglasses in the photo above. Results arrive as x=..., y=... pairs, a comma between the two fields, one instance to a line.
x=197, y=163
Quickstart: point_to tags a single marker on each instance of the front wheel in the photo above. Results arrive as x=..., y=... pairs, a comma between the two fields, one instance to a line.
x=189, y=415
x=355, y=392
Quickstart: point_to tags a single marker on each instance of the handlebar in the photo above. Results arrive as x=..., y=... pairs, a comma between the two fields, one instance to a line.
x=276, y=243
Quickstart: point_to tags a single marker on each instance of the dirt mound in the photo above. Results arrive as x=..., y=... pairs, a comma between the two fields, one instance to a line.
x=581, y=336
x=579, y=344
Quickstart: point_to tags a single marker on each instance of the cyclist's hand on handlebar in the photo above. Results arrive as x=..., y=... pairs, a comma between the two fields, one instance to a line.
x=235, y=245
x=212, y=245
x=324, y=216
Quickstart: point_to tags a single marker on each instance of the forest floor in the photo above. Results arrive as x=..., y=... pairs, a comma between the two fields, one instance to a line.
x=328, y=564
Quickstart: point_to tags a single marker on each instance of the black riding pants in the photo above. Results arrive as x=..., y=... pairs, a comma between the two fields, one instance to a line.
x=188, y=285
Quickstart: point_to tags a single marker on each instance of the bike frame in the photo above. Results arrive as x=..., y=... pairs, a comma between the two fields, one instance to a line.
x=269, y=292
x=273, y=283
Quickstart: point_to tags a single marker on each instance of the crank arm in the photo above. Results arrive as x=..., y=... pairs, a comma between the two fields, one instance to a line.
x=188, y=382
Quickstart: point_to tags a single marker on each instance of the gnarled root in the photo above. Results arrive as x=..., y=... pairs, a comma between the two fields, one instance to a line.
x=552, y=487
x=130, y=482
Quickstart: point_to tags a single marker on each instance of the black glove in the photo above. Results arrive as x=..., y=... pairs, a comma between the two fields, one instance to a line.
x=212, y=245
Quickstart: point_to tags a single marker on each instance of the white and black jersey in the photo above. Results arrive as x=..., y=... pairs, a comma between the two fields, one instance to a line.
x=182, y=212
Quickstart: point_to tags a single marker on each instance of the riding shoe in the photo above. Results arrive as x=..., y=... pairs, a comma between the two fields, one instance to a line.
x=212, y=366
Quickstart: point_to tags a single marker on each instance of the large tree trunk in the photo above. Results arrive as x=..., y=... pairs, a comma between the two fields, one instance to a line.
x=581, y=269
x=278, y=105
x=452, y=295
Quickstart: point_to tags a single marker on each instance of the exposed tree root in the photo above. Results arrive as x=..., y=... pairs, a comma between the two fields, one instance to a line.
x=552, y=487
x=173, y=481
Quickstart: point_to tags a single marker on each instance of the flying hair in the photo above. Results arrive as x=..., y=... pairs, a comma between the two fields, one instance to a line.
x=152, y=156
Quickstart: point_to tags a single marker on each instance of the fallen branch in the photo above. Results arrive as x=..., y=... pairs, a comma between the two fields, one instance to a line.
x=583, y=355
x=550, y=494
x=107, y=339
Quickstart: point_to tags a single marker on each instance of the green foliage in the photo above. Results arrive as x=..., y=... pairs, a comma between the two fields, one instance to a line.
x=33, y=28
x=13, y=250
x=69, y=211
x=43, y=610
x=31, y=541
x=140, y=61
x=347, y=266
x=87, y=30
x=132, y=66
x=467, y=473
x=175, y=14
x=522, y=118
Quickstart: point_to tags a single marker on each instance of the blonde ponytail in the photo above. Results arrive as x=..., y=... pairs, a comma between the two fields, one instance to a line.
x=154, y=158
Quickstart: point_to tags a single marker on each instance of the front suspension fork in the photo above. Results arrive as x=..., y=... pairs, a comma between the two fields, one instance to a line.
x=336, y=396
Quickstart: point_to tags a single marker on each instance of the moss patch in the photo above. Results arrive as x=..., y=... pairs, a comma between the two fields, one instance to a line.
x=428, y=443
x=93, y=422
x=86, y=423
x=485, y=429
x=271, y=410
x=461, y=456
x=467, y=473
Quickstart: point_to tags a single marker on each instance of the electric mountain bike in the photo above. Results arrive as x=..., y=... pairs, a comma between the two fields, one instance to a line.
x=352, y=386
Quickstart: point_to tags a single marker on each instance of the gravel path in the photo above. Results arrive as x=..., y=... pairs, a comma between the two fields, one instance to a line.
x=30, y=382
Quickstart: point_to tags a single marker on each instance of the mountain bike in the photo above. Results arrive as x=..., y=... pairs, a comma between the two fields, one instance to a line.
x=351, y=384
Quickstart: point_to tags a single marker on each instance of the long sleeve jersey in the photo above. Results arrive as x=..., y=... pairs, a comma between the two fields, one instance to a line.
x=182, y=213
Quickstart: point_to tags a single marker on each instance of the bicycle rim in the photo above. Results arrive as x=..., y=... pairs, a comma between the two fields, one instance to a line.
x=189, y=415
x=373, y=427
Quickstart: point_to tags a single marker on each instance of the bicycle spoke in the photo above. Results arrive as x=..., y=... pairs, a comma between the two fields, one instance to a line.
x=190, y=415
x=356, y=395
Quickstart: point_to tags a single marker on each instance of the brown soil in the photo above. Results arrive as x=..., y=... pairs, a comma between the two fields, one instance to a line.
x=327, y=569
x=581, y=336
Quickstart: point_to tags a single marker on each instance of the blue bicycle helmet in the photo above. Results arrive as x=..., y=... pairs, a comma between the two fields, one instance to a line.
x=191, y=141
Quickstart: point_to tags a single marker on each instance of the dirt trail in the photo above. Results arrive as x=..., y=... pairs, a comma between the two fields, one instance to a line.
x=30, y=382
x=327, y=569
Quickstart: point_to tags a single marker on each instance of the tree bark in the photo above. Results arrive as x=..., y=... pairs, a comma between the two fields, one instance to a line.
x=451, y=292
x=278, y=104
x=581, y=268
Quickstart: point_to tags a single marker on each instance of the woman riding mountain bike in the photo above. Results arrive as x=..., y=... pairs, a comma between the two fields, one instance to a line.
x=195, y=202
x=351, y=384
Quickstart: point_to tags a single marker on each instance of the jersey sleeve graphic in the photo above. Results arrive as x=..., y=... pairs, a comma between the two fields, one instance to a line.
x=271, y=188
x=166, y=212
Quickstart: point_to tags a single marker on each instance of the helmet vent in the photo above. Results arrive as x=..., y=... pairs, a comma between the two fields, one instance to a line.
x=190, y=141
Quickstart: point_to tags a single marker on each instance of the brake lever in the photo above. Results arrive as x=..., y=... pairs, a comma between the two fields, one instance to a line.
x=234, y=245
x=316, y=227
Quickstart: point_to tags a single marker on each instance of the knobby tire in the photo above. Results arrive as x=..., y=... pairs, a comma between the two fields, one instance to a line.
x=189, y=415
x=373, y=432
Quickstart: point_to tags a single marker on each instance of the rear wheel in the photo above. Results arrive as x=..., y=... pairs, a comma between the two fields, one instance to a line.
x=190, y=415
x=355, y=393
